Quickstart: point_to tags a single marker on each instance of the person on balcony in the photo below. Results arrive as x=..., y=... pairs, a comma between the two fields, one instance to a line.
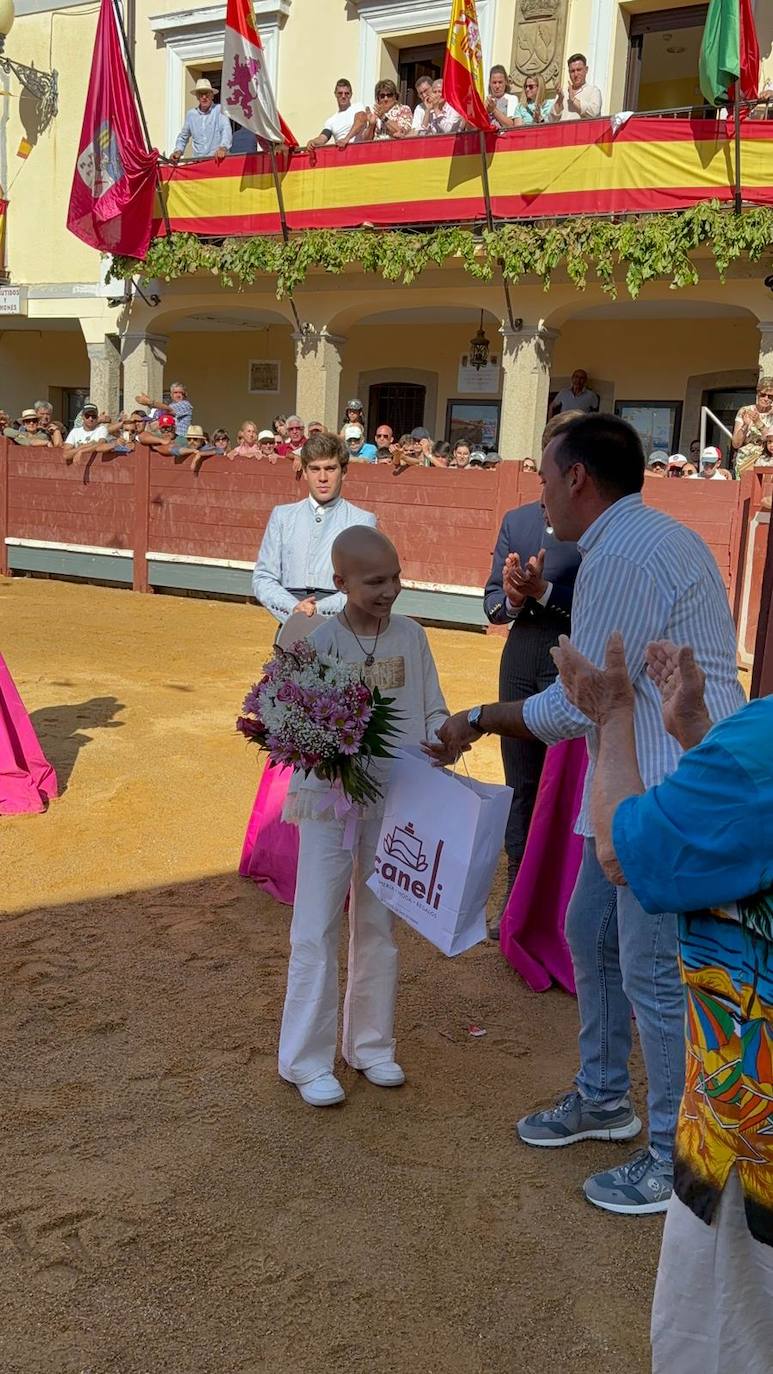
x=751, y=423
x=356, y=446
x=348, y=123
x=389, y=119
x=207, y=128
x=178, y=406
x=442, y=118
x=581, y=100
x=534, y=107
x=423, y=92
x=501, y=105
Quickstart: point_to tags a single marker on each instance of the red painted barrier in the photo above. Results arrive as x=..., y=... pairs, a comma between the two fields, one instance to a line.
x=444, y=523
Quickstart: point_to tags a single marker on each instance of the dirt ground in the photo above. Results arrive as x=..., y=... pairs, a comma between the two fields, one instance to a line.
x=167, y=1203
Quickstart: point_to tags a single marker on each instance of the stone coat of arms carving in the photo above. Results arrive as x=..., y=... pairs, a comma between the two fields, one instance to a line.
x=538, y=42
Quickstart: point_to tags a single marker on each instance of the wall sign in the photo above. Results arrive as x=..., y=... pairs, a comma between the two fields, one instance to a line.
x=13, y=300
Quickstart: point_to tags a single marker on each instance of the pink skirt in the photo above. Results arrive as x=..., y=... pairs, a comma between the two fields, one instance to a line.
x=270, y=851
x=532, y=930
x=27, y=780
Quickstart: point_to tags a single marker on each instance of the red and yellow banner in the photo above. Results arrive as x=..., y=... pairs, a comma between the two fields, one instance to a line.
x=463, y=86
x=564, y=169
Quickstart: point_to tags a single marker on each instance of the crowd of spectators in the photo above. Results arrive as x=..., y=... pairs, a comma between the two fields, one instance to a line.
x=168, y=427
x=207, y=128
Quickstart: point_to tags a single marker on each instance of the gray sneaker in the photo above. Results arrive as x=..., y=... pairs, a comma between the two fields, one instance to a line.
x=643, y=1184
x=574, y=1119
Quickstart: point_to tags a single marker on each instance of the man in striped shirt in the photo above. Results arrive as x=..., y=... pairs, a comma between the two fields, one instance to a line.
x=649, y=577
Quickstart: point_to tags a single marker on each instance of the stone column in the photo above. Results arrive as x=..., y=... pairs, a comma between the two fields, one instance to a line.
x=144, y=359
x=526, y=356
x=318, y=377
x=105, y=374
x=766, y=348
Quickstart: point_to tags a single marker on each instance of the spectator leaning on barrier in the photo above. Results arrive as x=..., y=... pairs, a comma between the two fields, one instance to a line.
x=388, y=119
x=296, y=435
x=502, y=107
x=207, y=127
x=178, y=406
x=27, y=430
x=440, y=117
x=356, y=447
x=92, y=430
x=578, y=396
x=347, y=125
x=534, y=107
x=657, y=463
x=529, y=465
x=385, y=440
x=710, y=469
x=581, y=101
x=461, y=454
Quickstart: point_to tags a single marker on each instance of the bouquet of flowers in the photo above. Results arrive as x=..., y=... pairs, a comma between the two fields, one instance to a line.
x=312, y=712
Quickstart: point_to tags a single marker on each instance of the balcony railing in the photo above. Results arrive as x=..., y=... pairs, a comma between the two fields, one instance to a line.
x=620, y=166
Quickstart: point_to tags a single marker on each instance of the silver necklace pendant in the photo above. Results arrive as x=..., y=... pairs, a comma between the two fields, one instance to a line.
x=369, y=661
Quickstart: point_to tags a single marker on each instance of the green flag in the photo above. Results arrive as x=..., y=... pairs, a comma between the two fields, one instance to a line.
x=720, y=60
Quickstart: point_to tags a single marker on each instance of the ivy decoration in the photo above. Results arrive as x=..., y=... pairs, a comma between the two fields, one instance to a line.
x=625, y=253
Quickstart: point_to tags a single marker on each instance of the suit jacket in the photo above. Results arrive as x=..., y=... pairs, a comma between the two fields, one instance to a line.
x=523, y=532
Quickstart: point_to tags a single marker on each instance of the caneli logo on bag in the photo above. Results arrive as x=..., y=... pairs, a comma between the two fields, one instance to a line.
x=406, y=856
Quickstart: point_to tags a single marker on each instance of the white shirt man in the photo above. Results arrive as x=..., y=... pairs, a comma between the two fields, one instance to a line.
x=582, y=101
x=578, y=396
x=89, y=431
x=710, y=471
x=346, y=125
x=207, y=127
x=423, y=93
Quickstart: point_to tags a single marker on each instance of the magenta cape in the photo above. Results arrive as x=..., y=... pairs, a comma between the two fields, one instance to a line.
x=27, y=780
x=270, y=851
x=532, y=930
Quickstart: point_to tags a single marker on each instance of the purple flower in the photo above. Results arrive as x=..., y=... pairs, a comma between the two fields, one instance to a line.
x=250, y=728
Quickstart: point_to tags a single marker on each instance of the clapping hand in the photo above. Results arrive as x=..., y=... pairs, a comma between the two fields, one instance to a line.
x=597, y=692
x=681, y=685
x=520, y=581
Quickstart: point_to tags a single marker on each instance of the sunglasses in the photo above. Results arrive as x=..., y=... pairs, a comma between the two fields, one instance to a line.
x=267, y=443
x=382, y=434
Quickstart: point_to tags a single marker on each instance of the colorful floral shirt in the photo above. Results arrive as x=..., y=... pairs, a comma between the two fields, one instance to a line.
x=756, y=426
x=396, y=122
x=702, y=843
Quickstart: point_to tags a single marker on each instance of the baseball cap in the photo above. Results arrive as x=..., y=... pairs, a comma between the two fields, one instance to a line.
x=420, y=433
x=352, y=431
x=658, y=456
x=264, y=435
x=90, y=409
x=194, y=432
x=491, y=459
x=677, y=460
x=166, y=421
x=477, y=459
x=354, y=405
x=711, y=454
x=29, y=414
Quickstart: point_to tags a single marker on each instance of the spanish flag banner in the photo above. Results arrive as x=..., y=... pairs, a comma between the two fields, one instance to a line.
x=463, y=67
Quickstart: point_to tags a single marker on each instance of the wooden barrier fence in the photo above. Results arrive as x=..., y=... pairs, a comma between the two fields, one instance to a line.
x=142, y=519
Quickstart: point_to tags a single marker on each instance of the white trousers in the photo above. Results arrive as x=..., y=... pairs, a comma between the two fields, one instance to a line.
x=713, y=1308
x=326, y=872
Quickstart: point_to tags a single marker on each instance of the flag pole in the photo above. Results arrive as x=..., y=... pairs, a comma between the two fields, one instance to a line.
x=490, y=223
x=283, y=222
x=141, y=111
x=738, y=181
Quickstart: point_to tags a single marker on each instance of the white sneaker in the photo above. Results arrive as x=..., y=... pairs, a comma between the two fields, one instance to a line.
x=324, y=1091
x=388, y=1075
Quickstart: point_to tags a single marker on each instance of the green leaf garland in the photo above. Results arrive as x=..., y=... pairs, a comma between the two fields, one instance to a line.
x=625, y=253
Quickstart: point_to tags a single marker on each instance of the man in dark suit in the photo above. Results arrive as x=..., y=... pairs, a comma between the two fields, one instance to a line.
x=530, y=589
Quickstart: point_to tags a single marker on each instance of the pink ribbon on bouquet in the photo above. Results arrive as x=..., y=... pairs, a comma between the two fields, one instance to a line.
x=344, y=809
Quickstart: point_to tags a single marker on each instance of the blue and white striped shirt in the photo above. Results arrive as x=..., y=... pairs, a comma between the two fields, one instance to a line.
x=649, y=577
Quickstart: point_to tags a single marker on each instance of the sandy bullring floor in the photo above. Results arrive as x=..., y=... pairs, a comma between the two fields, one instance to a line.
x=167, y=1204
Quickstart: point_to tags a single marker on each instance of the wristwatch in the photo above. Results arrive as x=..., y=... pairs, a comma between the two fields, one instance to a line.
x=474, y=719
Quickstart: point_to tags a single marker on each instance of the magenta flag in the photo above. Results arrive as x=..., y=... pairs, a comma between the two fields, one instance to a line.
x=114, y=184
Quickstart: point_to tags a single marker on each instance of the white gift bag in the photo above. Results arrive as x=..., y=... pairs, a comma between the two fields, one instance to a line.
x=438, y=850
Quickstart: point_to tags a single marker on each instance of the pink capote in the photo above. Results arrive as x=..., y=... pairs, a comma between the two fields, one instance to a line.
x=531, y=934
x=27, y=780
x=270, y=851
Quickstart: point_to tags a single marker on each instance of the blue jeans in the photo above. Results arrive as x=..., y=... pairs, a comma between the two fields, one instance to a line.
x=624, y=958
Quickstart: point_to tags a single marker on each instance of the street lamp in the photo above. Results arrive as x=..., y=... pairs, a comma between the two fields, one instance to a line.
x=43, y=86
x=479, y=344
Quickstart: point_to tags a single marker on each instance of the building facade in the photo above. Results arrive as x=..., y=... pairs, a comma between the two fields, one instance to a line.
x=66, y=332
